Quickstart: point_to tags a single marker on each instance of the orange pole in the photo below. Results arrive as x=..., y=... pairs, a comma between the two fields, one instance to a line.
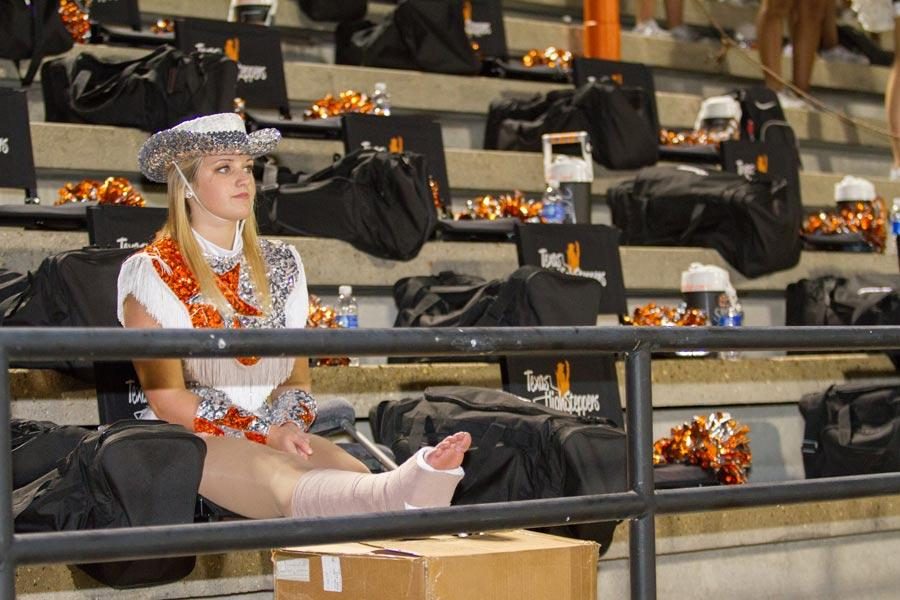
x=602, y=31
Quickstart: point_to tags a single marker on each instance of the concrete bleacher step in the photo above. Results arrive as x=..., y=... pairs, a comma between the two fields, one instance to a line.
x=332, y=262
x=826, y=550
x=450, y=96
x=111, y=150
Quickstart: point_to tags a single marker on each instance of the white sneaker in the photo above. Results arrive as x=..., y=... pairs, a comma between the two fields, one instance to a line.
x=839, y=53
x=651, y=28
x=895, y=174
x=789, y=99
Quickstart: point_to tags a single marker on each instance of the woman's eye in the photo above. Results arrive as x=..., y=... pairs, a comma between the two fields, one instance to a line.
x=223, y=169
x=248, y=169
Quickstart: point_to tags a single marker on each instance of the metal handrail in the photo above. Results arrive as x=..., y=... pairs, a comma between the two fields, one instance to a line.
x=639, y=504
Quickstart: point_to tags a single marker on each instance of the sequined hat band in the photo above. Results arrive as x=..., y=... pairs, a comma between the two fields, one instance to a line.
x=224, y=133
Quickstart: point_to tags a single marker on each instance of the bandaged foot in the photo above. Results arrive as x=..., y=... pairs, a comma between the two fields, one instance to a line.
x=427, y=480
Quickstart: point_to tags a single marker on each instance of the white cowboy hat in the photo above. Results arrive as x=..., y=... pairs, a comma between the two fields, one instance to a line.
x=223, y=133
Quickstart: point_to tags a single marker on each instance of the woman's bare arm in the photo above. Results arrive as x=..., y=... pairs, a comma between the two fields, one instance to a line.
x=161, y=378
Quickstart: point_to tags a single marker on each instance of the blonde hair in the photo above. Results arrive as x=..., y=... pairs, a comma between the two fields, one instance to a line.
x=178, y=227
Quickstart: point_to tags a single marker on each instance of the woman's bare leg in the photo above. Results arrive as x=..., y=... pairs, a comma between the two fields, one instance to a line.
x=770, y=29
x=807, y=35
x=258, y=482
x=892, y=96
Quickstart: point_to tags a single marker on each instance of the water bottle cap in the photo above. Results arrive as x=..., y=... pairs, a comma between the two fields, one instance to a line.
x=345, y=290
x=853, y=188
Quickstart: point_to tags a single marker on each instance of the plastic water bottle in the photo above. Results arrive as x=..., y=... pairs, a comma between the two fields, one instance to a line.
x=730, y=314
x=557, y=207
x=347, y=312
x=890, y=244
x=381, y=99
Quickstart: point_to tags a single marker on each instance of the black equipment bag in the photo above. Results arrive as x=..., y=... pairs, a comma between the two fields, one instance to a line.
x=851, y=429
x=12, y=286
x=861, y=299
x=754, y=224
x=423, y=35
x=378, y=201
x=31, y=30
x=76, y=288
x=330, y=10
x=762, y=119
x=616, y=117
x=530, y=296
x=151, y=93
x=134, y=473
x=67, y=217
x=38, y=445
x=520, y=450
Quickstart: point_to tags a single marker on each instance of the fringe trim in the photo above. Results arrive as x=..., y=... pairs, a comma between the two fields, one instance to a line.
x=246, y=386
x=138, y=278
x=296, y=308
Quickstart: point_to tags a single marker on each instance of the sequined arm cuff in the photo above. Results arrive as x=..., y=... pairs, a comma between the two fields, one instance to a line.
x=217, y=415
x=294, y=406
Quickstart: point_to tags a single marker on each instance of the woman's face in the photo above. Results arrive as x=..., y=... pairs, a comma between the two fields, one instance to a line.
x=225, y=186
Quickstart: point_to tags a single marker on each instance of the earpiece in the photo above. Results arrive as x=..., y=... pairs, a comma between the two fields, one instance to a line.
x=188, y=194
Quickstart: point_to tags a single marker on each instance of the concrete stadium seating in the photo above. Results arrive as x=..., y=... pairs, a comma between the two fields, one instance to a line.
x=790, y=551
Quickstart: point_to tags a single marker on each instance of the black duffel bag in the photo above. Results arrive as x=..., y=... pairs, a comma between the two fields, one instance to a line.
x=378, y=201
x=422, y=35
x=520, y=450
x=530, y=296
x=151, y=93
x=31, y=30
x=861, y=299
x=851, y=429
x=75, y=288
x=754, y=224
x=95, y=487
x=616, y=117
x=334, y=10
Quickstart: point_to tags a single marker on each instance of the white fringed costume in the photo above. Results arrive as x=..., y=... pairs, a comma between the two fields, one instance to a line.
x=153, y=278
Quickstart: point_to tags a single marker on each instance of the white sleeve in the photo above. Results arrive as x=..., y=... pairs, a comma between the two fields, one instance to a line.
x=138, y=278
x=296, y=308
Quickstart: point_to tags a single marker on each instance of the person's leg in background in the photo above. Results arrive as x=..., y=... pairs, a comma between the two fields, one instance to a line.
x=645, y=23
x=892, y=97
x=807, y=33
x=770, y=37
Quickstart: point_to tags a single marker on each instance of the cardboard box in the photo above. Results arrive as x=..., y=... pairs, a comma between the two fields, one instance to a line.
x=507, y=565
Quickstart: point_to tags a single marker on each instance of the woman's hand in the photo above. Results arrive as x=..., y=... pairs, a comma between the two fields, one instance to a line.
x=290, y=438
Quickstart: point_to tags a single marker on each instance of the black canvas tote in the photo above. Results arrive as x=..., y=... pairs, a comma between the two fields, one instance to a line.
x=616, y=118
x=520, y=450
x=151, y=93
x=754, y=224
x=134, y=473
x=422, y=35
x=378, y=201
x=851, y=429
x=32, y=30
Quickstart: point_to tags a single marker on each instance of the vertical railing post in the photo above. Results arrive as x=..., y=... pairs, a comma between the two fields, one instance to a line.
x=7, y=558
x=642, y=530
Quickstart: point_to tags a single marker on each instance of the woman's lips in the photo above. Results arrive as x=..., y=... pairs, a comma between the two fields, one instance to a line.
x=242, y=196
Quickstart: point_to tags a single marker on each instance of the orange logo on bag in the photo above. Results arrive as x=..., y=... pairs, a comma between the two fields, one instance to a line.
x=618, y=78
x=396, y=144
x=467, y=10
x=573, y=256
x=762, y=163
x=563, y=377
x=233, y=48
